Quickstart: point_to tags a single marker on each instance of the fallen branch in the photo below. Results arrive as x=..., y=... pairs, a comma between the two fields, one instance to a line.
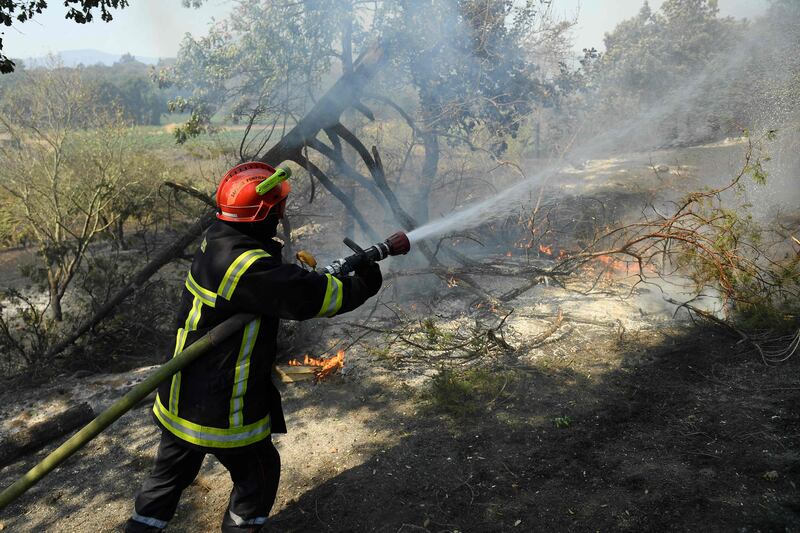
x=165, y=256
x=764, y=344
x=192, y=191
x=546, y=334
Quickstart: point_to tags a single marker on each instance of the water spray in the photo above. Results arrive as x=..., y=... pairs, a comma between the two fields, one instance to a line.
x=396, y=244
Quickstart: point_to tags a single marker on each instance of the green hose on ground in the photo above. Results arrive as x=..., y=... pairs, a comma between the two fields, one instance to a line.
x=122, y=406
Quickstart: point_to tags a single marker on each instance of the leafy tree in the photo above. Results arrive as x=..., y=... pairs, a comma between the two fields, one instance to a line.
x=128, y=85
x=64, y=168
x=465, y=63
x=654, y=51
x=673, y=66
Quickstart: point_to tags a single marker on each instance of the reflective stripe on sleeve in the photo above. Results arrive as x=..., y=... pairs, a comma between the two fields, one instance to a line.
x=242, y=372
x=333, y=297
x=238, y=267
x=210, y=436
x=208, y=297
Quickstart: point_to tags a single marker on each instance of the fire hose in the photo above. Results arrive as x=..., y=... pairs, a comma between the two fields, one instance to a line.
x=397, y=244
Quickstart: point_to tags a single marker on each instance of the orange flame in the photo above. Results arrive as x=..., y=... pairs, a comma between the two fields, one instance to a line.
x=546, y=249
x=326, y=367
x=613, y=265
x=616, y=266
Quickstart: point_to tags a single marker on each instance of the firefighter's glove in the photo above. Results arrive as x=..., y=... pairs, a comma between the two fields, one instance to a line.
x=370, y=274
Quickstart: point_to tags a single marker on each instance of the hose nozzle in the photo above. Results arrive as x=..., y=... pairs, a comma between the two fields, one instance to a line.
x=396, y=244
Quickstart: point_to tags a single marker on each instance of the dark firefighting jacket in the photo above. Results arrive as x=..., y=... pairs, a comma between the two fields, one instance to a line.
x=226, y=398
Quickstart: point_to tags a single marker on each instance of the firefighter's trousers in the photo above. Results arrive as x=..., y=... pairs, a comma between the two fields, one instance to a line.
x=255, y=473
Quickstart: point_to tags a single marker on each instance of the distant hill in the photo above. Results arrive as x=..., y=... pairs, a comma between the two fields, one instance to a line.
x=72, y=58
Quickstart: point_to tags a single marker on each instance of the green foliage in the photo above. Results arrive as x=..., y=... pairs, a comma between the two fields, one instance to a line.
x=697, y=75
x=467, y=393
x=72, y=172
x=434, y=335
x=467, y=61
x=562, y=422
x=471, y=75
x=653, y=52
x=267, y=58
x=727, y=249
x=126, y=86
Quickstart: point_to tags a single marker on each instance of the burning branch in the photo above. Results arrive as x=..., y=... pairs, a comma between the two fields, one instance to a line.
x=321, y=367
x=711, y=245
x=714, y=244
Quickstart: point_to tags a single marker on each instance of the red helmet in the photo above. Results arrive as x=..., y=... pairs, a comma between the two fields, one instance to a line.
x=237, y=199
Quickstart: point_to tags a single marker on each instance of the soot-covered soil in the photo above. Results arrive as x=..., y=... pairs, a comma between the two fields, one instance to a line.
x=693, y=436
x=622, y=420
x=658, y=430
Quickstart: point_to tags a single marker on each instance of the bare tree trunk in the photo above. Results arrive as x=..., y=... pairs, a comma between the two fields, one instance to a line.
x=350, y=190
x=54, y=310
x=348, y=226
x=430, y=167
x=286, y=235
x=119, y=233
x=37, y=435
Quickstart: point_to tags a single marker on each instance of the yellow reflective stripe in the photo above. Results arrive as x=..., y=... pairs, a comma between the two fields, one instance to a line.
x=211, y=436
x=333, y=297
x=238, y=267
x=180, y=340
x=208, y=297
x=242, y=372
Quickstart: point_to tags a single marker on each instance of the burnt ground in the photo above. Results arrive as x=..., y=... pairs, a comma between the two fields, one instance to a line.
x=695, y=435
x=665, y=428
x=625, y=419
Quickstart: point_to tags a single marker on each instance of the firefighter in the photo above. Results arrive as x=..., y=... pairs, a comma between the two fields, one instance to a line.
x=225, y=402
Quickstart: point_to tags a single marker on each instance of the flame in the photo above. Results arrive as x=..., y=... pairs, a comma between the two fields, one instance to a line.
x=616, y=266
x=509, y=253
x=546, y=249
x=326, y=367
x=612, y=264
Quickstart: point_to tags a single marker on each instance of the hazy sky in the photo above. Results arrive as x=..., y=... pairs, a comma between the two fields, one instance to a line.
x=154, y=28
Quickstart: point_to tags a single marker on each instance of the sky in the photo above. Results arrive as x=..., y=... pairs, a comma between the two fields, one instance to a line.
x=154, y=28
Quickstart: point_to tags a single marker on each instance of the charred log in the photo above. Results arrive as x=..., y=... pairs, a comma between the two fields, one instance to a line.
x=344, y=94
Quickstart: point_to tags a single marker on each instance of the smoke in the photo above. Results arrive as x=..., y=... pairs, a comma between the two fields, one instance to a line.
x=763, y=64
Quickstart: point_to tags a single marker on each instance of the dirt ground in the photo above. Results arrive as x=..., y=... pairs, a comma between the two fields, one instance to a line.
x=651, y=426
x=624, y=418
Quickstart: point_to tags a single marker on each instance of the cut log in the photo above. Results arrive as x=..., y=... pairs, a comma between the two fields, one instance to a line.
x=34, y=437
